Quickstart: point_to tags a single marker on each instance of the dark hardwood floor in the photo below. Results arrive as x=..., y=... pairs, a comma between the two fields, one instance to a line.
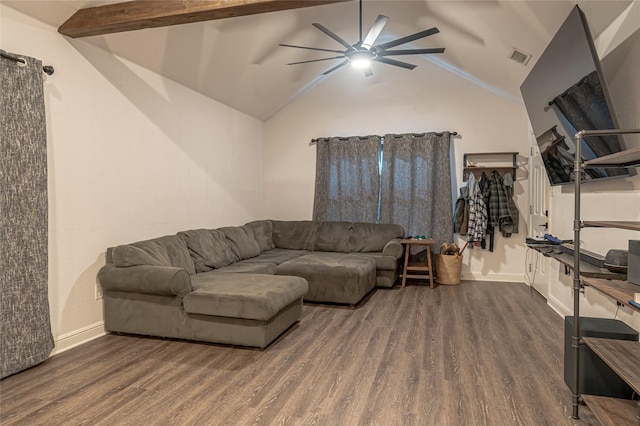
x=480, y=353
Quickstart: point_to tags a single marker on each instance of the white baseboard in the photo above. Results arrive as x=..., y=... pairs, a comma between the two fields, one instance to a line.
x=78, y=337
x=553, y=303
x=509, y=278
x=559, y=307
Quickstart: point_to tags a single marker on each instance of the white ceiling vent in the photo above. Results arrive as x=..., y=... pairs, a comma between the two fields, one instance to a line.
x=520, y=57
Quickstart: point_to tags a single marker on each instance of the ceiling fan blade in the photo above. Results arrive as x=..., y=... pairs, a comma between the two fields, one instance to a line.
x=411, y=52
x=395, y=63
x=375, y=31
x=340, y=65
x=315, y=60
x=333, y=35
x=368, y=72
x=311, y=48
x=407, y=39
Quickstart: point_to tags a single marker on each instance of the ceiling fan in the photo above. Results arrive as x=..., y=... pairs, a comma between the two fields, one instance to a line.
x=365, y=51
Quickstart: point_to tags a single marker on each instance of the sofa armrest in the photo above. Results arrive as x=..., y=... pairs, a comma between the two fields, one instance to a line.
x=393, y=248
x=160, y=280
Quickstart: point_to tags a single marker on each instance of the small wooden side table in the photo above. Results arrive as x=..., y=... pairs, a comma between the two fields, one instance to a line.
x=425, y=269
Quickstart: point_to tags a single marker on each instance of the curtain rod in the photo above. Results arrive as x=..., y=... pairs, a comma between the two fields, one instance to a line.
x=419, y=135
x=315, y=140
x=345, y=138
x=48, y=69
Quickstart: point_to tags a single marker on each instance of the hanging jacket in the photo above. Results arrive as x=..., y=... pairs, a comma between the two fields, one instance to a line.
x=499, y=210
x=490, y=232
x=478, y=219
x=461, y=212
x=508, y=182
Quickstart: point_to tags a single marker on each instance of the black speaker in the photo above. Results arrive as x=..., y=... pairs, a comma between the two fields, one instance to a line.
x=596, y=377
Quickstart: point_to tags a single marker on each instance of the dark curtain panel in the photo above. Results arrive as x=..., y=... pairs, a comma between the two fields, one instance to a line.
x=416, y=185
x=585, y=107
x=347, y=179
x=24, y=306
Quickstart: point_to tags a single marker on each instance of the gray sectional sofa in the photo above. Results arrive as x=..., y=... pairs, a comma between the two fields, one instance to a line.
x=243, y=285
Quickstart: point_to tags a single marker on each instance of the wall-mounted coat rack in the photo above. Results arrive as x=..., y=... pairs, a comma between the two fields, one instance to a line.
x=487, y=162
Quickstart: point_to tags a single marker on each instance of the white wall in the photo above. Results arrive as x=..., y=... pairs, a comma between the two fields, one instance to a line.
x=131, y=156
x=397, y=101
x=618, y=199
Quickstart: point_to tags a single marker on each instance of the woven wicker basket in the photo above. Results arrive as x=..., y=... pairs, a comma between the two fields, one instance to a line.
x=448, y=269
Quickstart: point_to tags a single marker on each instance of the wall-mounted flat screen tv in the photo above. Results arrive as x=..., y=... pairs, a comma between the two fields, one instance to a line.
x=565, y=92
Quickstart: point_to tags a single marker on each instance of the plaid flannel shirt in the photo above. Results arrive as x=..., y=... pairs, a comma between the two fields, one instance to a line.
x=498, y=202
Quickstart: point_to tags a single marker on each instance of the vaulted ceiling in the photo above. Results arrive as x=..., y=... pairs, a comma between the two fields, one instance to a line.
x=238, y=62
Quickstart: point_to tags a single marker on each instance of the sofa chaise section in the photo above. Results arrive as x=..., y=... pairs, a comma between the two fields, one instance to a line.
x=151, y=288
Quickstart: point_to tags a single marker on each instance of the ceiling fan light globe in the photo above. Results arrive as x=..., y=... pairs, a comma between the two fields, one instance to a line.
x=360, y=63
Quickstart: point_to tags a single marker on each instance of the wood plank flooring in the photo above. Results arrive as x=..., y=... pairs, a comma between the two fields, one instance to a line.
x=480, y=353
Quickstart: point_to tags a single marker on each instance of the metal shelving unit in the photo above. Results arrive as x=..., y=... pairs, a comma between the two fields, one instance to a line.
x=611, y=351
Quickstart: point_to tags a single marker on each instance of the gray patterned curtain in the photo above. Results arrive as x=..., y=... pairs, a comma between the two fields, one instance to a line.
x=585, y=107
x=24, y=306
x=347, y=179
x=416, y=185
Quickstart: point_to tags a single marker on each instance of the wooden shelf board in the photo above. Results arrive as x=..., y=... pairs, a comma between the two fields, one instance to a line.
x=418, y=267
x=503, y=167
x=612, y=411
x=491, y=153
x=586, y=269
x=621, y=291
x=629, y=225
x=629, y=158
x=489, y=169
x=419, y=277
x=623, y=356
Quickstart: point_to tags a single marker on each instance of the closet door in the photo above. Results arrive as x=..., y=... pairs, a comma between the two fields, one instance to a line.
x=539, y=189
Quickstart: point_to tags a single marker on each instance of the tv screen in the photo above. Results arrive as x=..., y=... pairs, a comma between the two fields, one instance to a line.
x=565, y=92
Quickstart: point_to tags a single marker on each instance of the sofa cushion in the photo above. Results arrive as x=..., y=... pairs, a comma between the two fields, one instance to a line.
x=394, y=248
x=383, y=262
x=276, y=256
x=145, y=279
x=263, y=232
x=169, y=250
x=209, y=249
x=334, y=236
x=296, y=235
x=242, y=241
x=333, y=277
x=372, y=237
x=245, y=267
x=247, y=296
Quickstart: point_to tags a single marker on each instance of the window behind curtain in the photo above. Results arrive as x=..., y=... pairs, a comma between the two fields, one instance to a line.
x=416, y=185
x=347, y=179
x=402, y=179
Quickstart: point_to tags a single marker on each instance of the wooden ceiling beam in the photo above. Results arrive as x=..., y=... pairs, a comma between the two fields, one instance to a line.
x=140, y=14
